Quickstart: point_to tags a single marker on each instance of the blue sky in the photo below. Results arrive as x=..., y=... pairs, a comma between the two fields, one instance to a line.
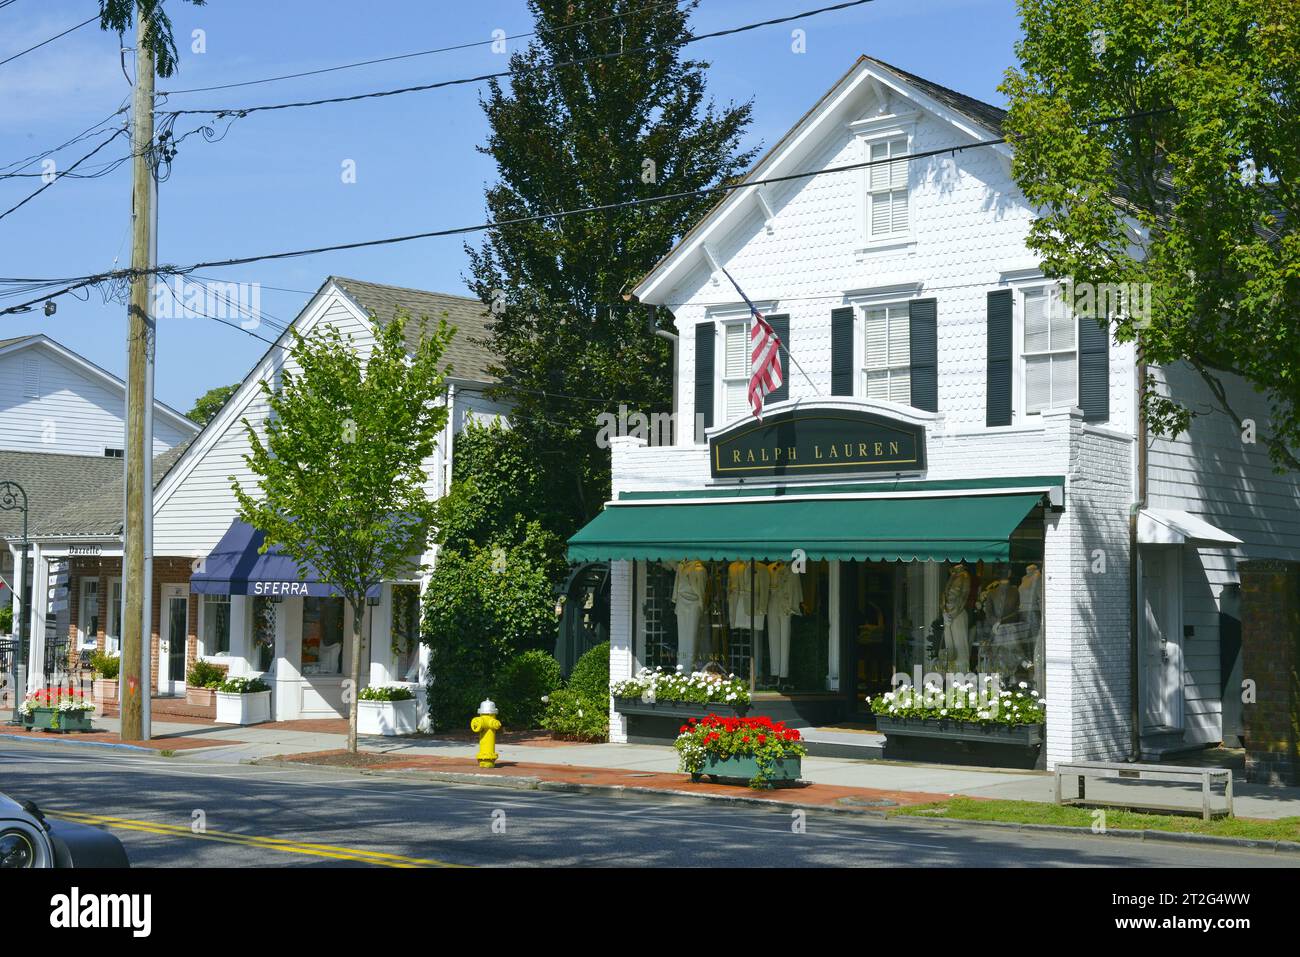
x=274, y=182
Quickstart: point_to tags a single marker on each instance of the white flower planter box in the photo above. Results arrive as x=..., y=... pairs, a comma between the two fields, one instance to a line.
x=387, y=717
x=243, y=708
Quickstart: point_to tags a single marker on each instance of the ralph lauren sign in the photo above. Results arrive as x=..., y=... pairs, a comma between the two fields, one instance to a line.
x=801, y=442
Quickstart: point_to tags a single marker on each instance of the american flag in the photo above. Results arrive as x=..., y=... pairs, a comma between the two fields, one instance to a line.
x=764, y=356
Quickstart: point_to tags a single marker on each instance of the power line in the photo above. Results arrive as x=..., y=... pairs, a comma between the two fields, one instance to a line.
x=88, y=131
x=59, y=176
x=744, y=28
x=419, y=53
x=50, y=40
x=82, y=282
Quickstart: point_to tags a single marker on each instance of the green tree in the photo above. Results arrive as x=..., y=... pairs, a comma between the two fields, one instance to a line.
x=119, y=15
x=1196, y=196
x=608, y=129
x=340, y=473
x=209, y=403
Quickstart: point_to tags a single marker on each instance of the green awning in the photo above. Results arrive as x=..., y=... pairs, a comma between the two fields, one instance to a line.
x=929, y=528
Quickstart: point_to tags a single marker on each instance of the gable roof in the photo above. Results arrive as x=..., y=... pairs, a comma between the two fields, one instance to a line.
x=99, y=512
x=52, y=481
x=467, y=355
x=41, y=340
x=975, y=117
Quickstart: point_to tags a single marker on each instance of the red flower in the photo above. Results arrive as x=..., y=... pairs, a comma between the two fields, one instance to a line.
x=762, y=739
x=683, y=729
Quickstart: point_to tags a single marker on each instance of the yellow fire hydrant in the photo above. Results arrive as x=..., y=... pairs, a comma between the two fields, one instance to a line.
x=486, y=727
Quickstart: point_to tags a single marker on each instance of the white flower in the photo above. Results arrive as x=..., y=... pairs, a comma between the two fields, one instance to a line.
x=1023, y=685
x=983, y=715
x=1034, y=694
x=943, y=710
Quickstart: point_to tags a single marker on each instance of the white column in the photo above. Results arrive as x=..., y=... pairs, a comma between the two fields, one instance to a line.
x=620, y=640
x=36, y=619
x=833, y=648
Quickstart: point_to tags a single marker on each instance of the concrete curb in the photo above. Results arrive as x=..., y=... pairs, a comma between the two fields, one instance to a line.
x=85, y=744
x=751, y=800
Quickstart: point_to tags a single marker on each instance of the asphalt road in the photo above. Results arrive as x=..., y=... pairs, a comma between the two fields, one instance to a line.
x=174, y=812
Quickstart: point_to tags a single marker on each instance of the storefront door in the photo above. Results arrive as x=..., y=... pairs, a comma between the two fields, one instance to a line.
x=172, y=634
x=867, y=595
x=1162, y=638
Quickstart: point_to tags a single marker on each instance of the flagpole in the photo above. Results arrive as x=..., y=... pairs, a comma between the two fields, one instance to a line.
x=781, y=345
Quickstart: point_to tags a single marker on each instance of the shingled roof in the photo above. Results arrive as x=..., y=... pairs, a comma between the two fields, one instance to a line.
x=99, y=512
x=53, y=481
x=986, y=114
x=468, y=356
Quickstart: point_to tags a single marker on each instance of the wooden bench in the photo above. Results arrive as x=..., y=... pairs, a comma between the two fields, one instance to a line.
x=1124, y=771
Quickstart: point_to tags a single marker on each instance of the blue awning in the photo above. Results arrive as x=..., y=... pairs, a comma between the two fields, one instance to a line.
x=236, y=567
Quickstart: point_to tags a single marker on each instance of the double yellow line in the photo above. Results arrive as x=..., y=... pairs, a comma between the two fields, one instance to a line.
x=377, y=858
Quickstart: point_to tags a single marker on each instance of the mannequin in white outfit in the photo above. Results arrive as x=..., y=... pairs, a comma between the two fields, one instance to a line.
x=1031, y=610
x=956, y=636
x=689, y=585
x=784, y=597
x=739, y=594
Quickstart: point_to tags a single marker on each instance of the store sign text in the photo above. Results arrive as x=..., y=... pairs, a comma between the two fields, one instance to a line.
x=806, y=441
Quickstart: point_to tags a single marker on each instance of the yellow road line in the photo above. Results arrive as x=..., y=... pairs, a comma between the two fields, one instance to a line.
x=251, y=840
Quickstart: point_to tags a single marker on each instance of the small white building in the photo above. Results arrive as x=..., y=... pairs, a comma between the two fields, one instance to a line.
x=286, y=630
x=956, y=457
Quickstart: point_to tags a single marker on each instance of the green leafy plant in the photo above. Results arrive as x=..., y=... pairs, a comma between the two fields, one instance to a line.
x=386, y=693
x=580, y=710
x=761, y=738
x=963, y=702
x=104, y=665
x=205, y=674
x=6, y=619
x=243, y=685
x=699, y=687
x=523, y=687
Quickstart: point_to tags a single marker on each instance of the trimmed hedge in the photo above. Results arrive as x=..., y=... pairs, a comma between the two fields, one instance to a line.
x=581, y=709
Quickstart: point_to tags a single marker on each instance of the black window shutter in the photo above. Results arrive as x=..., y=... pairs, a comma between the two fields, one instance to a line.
x=1094, y=369
x=923, y=334
x=999, y=358
x=781, y=326
x=842, y=351
x=704, y=338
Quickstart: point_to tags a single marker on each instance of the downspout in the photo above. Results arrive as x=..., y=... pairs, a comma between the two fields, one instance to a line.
x=1135, y=564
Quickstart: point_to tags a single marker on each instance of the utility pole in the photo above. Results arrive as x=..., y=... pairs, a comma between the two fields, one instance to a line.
x=139, y=379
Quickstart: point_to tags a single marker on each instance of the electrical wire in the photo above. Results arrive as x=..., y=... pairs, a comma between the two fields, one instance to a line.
x=89, y=131
x=421, y=53
x=50, y=40
x=730, y=31
x=59, y=176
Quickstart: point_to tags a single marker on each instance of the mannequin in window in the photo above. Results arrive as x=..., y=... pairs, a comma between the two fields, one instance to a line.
x=690, y=582
x=1001, y=603
x=785, y=597
x=953, y=604
x=744, y=587
x=1031, y=610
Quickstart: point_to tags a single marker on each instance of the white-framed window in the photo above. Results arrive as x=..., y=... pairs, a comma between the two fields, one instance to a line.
x=888, y=213
x=887, y=353
x=88, y=616
x=1049, y=350
x=735, y=369
x=214, y=625
x=404, y=638
x=113, y=634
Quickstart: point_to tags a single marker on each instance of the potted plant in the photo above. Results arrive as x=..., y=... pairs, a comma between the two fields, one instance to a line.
x=759, y=751
x=201, y=683
x=105, y=667
x=57, y=709
x=993, y=727
x=243, y=700
x=387, y=709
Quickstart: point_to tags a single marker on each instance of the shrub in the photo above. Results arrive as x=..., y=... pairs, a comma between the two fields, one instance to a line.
x=522, y=684
x=385, y=693
x=581, y=709
x=6, y=619
x=204, y=674
x=243, y=685
x=106, y=666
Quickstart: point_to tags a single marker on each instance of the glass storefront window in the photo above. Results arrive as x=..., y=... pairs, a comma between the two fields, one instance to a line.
x=216, y=624
x=263, y=633
x=322, y=636
x=405, y=638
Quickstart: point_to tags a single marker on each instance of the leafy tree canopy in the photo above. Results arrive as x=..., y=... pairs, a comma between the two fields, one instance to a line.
x=209, y=403
x=608, y=129
x=1196, y=196
x=119, y=15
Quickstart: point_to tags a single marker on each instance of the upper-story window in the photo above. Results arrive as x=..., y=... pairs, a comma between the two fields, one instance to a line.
x=735, y=370
x=886, y=353
x=1049, y=350
x=887, y=201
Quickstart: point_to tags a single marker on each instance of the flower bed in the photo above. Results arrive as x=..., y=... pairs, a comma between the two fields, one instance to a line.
x=760, y=750
x=387, y=709
x=963, y=702
x=57, y=709
x=699, y=687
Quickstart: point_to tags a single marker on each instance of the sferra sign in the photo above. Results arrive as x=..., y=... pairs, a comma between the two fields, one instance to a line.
x=802, y=442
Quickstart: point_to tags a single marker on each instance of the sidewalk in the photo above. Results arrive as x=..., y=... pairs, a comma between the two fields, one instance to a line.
x=846, y=782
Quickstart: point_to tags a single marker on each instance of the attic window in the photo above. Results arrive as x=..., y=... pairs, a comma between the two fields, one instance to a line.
x=32, y=378
x=887, y=212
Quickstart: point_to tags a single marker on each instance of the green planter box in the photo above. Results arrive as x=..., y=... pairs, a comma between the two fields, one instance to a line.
x=963, y=742
x=741, y=769
x=51, y=719
x=678, y=709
